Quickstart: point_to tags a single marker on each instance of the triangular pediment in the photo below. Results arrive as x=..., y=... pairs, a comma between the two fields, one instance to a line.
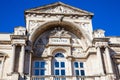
x=59, y=8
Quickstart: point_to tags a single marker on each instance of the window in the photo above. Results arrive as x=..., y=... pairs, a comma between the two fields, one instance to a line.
x=59, y=55
x=59, y=68
x=79, y=68
x=39, y=68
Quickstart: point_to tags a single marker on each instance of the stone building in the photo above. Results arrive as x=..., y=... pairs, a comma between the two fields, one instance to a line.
x=59, y=43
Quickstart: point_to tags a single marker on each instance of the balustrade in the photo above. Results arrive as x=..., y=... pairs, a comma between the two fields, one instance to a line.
x=65, y=77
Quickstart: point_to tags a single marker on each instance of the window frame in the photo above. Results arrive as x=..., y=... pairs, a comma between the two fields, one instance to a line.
x=79, y=68
x=61, y=63
x=59, y=55
x=59, y=68
x=39, y=68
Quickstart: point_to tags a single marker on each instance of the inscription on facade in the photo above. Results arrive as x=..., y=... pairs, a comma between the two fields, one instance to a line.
x=59, y=41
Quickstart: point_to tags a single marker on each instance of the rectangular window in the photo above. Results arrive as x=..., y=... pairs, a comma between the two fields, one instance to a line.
x=42, y=65
x=81, y=64
x=39, y=68
x=76, y=64
x=57, y=64
x=63, y=72
x=56, y=72
x=36, y=72
x=36, y=65
x=59, y=68
x=42, y=72
x=62, y=64
x=82, y=73
x=77, y=72
x=79, y=69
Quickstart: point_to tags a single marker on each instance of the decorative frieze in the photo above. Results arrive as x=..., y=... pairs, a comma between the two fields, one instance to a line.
x=34, y=24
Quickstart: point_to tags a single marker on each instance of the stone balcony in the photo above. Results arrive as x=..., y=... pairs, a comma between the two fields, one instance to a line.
x=65, y=78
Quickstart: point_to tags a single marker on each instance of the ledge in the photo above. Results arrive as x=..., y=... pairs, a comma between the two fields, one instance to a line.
x=104, y=39
x=5, y=42
x=18, y=36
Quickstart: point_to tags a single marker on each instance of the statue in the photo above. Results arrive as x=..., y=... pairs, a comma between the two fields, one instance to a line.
x=58, y=32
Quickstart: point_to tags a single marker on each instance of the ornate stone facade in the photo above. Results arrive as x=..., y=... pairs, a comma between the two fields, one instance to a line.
x=59, y=43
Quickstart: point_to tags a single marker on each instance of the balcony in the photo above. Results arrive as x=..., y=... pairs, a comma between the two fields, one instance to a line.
x=65, y=78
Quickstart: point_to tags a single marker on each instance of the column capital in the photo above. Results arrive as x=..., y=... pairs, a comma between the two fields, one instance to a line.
x=23, y=44
x=106, y=46
x=97, y=46
x=14, y=44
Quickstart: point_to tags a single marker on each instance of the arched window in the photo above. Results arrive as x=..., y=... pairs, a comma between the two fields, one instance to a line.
x=59, y=65
x=59, y=55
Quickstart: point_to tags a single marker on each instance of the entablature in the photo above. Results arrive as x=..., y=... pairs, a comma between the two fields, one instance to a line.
x=116, y=58
x=101, y=42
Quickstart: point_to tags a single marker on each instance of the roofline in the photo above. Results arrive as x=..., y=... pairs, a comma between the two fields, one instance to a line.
x=58, y=3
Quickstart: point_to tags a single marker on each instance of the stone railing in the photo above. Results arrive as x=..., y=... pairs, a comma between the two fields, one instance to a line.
x=65, y=78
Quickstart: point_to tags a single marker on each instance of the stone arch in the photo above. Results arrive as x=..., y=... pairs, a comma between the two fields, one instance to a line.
x=53, y=52
x=69, y=26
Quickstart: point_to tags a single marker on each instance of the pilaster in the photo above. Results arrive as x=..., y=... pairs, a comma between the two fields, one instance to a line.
x=109, y=62
x=13, y=58
x=21, y=59
x=69, y=60
x=99, y=56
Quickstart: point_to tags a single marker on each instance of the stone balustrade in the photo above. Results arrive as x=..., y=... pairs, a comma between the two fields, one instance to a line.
x=65, y=77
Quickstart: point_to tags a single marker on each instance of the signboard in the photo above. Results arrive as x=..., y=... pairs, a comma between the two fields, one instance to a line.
x=60, y=41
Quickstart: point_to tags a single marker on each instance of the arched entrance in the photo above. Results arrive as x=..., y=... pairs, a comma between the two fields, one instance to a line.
x=68, y=26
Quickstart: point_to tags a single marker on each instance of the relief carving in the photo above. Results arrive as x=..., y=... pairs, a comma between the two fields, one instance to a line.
x=85, y=26
x=33, y=24
x=60, y=9
x=59, y=32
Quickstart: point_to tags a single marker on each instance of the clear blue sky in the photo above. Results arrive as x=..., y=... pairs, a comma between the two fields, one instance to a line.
x=106, y=13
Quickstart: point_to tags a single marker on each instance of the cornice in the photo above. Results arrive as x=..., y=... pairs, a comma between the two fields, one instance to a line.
x=114, y=45
x=100, y=40
x=55, y=5
x=18, y=37
x=116, y=56
x=5, y=42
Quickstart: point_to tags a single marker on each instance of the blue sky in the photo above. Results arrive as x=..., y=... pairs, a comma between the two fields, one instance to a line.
x=106, y=13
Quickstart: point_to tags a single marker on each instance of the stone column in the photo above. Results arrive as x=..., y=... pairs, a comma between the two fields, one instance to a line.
x=2, y=66
x=12, y=58
x=21, y=59
x=109, y=62
x=99, y=56
x=30, y=64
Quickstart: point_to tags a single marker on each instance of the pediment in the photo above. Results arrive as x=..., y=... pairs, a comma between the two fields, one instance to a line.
x=59, y=8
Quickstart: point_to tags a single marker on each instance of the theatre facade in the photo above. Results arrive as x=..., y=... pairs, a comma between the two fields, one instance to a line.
x=59, y=43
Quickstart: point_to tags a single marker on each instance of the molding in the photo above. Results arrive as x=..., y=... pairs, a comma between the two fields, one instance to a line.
x=114, y=45
x=58, y=8
x=100, y=40
x=5, y=42
x=18, y=37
